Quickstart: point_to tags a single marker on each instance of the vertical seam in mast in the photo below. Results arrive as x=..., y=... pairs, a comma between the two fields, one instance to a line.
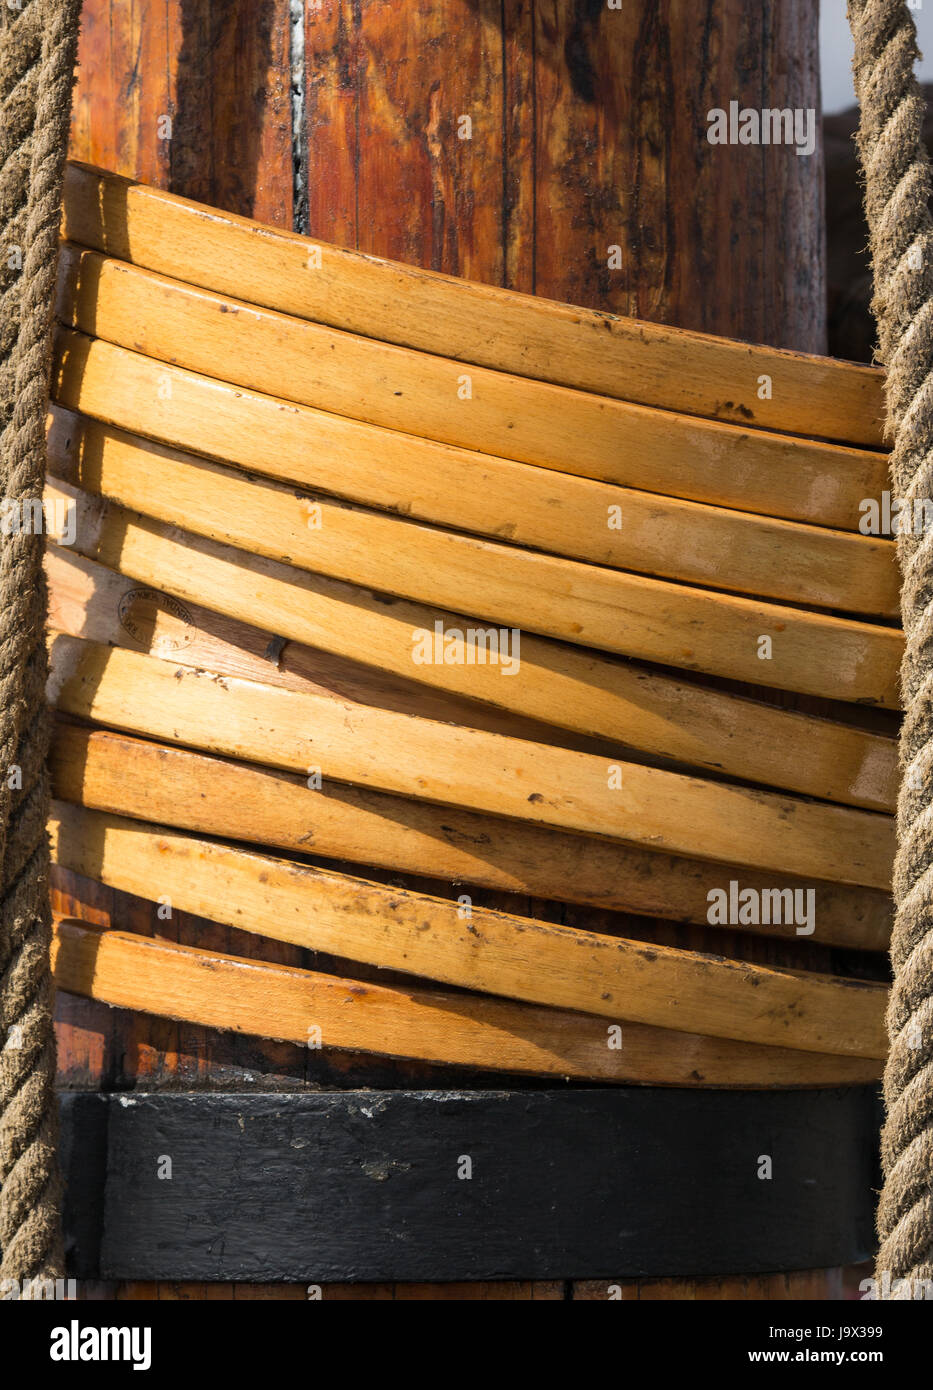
x=296, y=61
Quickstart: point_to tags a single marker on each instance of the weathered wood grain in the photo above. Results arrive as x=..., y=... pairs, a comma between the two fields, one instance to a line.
x=149, y=1051
x=673, y=624
x=221, y=72
x=469, y=768
x=647, y=363
x=473, y=948
x=622, y=159
x=191, y=98
x=619, y=705
x=589, y=131
x=430, y=396
x=714, y=547
x=88, y=600
x=277, y=1001
x=213, y=796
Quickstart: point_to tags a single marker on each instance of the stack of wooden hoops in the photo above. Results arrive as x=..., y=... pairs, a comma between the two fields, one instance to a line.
x=276, y=466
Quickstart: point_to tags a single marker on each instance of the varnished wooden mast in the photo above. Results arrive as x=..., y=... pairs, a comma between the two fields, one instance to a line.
x=586, y=133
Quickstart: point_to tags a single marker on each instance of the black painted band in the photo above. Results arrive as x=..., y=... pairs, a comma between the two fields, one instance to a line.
x=373, y=1185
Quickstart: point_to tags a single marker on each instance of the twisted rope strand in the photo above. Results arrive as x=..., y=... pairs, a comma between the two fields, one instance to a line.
x=897, y=196
x=37, y=56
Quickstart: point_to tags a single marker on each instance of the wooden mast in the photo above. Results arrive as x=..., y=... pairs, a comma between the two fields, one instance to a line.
x=557, y=147
x=518, y=143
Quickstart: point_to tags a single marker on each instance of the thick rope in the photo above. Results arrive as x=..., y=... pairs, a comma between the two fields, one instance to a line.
x=38, y=46
x=897, y=196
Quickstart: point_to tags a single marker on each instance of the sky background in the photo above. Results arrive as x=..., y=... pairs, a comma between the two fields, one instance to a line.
x=836, y=52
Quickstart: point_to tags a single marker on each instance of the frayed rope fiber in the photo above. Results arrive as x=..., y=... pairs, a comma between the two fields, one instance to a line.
x=38, y=47
x=897, y=198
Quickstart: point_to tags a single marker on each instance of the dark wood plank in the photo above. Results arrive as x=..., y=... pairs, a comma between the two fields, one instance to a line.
x=807, y=1284
x=819, y=1284
x=353, y=1186
x=178, y=1291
